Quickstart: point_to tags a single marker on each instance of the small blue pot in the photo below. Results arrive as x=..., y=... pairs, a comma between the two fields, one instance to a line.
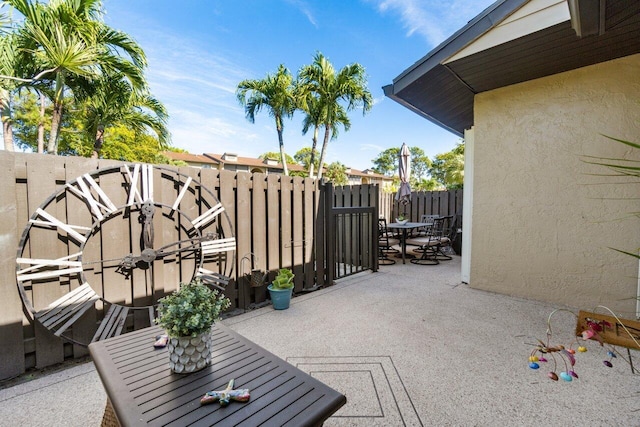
x=280, y=298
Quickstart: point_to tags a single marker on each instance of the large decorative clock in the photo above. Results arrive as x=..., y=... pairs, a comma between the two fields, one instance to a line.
x=118, y=239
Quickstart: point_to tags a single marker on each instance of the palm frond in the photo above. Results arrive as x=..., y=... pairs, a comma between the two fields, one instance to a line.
x=629, y=143
x=635, y=255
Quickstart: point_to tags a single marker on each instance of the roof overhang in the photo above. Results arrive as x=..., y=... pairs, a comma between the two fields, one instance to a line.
x=443, y=90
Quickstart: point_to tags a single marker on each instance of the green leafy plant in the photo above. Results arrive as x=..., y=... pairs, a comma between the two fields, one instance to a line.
x=284, y=279
x=622, y=168
x=191, y=310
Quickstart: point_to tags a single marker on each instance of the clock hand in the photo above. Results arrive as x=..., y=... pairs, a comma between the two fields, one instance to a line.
x=129, y=262
x=193, y=243
x=149, y=255
x=147, y=211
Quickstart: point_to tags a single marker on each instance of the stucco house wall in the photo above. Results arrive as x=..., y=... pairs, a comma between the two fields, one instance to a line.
x=542, y=222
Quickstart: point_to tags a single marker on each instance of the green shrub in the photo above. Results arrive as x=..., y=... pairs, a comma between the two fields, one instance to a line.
x=191, y=310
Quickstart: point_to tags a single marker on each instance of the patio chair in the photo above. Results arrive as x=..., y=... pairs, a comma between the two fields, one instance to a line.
x=446, y=237
x=434, y=244
x=385, y=243
x=423, y=232
x=427, y=245
x=428, y=219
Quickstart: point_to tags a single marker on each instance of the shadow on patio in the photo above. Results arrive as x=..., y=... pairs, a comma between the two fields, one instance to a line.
x=409, y=345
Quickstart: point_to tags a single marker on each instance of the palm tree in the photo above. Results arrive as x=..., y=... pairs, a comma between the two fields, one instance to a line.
x=114, y=102
x=12, y=63
x=69, y=46
x=275, y=93
x=349, y=85
x=7, y=67
x=311, y=106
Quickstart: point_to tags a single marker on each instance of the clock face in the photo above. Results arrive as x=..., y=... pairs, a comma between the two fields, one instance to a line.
x=123, y=235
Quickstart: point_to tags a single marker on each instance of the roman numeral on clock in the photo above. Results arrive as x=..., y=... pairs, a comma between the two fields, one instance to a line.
x=140, y=183
x=49, y=220
x=185, y=187
x=48, y=268
x=100, y=205
x=218, y=245
x=208, y=216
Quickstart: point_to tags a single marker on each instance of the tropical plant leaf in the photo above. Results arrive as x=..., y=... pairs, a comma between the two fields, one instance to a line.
x=637, y=255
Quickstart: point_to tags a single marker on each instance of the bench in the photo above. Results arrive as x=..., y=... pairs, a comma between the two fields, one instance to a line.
x=63, y=312
x=115, y=319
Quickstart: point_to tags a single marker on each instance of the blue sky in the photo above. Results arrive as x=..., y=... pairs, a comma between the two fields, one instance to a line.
x=198, y=51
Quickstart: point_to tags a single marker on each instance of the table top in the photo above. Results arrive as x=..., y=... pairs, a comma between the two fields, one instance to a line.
x=144, y=391
x=408, y=224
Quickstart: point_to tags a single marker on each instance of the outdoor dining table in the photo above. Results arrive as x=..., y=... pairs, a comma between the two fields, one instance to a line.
x=143, y=391
x=405, y=228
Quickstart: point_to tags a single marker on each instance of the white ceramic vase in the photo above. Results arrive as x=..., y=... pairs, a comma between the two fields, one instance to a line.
x=189, y=354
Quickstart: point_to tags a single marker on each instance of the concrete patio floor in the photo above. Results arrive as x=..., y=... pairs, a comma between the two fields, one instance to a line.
x=409, y=346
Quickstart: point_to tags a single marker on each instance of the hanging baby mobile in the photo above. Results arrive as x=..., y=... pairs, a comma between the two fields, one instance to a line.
x=607, y=331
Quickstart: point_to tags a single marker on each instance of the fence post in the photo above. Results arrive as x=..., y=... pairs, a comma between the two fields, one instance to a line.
x=330, y=233
x=374, y=228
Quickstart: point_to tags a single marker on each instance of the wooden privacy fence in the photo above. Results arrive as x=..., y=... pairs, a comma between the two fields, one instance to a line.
x=278, y=222
x=422, y=203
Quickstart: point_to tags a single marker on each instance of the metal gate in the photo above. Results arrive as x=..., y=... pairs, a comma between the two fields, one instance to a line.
x=351, y=237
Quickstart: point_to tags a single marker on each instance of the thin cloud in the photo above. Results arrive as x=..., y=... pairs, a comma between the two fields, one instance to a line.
x=182, y=60
x=434, y=21
x=204, y=133
x=372, y=147
x=415, y=18
x=198, y=90
x=303, y=7
x=379, y=99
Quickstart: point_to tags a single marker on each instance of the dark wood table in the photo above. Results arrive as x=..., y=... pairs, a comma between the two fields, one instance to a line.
x=144, y=391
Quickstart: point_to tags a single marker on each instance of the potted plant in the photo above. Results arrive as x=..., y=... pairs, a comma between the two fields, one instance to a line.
x=187, y=316
x=281, y=288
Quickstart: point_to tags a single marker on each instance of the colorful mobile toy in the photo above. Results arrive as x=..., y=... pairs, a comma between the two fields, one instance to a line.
x=595, y=328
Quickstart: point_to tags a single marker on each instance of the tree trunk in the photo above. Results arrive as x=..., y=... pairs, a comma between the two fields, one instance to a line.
x=56, y=120
x=97, y=145
x=325, y=143
x=41, y=124
x=283, y=158
x=314, y=143
x=7, y=122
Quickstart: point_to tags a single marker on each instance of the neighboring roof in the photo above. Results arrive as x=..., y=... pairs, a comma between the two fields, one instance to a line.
x=190, y=158
x=220, y=159
x=368, y=173
x=443, y=91
x=251, y=162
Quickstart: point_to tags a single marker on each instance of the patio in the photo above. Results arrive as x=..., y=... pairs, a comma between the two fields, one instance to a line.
x=408, y=345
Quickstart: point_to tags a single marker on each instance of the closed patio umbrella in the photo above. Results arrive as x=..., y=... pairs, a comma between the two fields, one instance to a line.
x=403, y=196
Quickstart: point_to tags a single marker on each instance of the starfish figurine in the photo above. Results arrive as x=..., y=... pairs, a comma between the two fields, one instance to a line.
x=225, y=396
x=161, y=341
